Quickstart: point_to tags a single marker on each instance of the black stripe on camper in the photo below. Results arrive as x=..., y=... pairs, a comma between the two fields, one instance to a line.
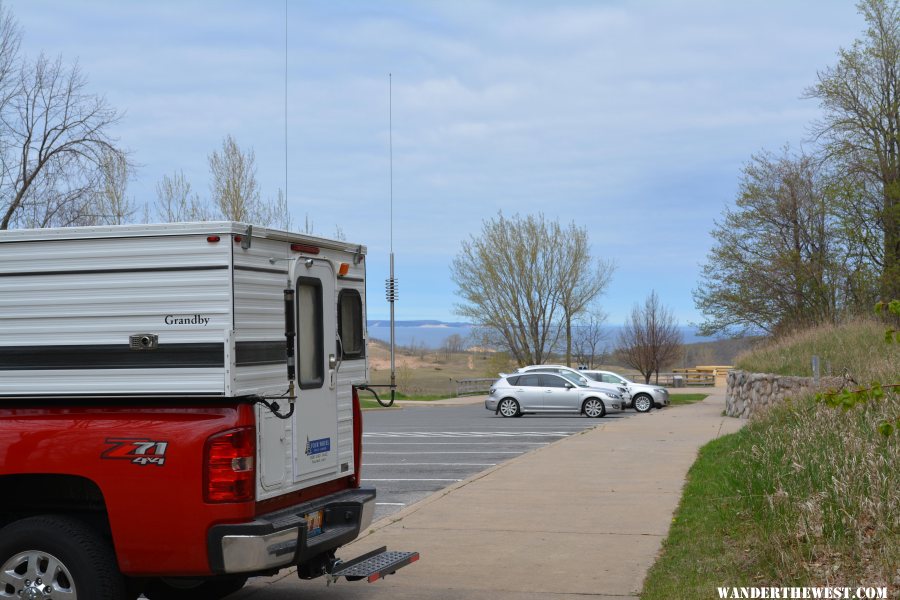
x=111, y=356
x=248, y=354
x=123, y=270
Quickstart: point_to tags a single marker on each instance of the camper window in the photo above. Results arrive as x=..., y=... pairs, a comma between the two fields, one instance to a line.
x=350, y=324
x=310, y=360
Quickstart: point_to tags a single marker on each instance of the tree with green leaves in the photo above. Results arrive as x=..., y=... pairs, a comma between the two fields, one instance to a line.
x=860, y=97
x=777, y=263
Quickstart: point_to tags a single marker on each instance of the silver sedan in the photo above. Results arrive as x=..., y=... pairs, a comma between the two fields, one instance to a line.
x=521, y=393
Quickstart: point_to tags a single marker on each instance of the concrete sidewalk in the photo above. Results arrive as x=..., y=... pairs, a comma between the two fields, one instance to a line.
x=582, y=516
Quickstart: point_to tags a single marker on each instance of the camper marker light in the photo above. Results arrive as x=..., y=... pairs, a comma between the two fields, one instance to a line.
x=343, y=269
x=237, y=239
x=212, y=238
x=304, y=248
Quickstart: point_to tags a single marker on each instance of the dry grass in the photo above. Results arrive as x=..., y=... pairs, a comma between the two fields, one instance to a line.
x=857, y=346
x=821, y=484
x=822, y=487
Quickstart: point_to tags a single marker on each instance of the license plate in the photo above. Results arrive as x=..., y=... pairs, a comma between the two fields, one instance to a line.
x=314, y=523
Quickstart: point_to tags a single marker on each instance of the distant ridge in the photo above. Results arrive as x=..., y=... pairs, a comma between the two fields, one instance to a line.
x=423, y=323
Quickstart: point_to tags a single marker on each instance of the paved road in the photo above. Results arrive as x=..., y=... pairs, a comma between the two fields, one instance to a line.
x=411, y=453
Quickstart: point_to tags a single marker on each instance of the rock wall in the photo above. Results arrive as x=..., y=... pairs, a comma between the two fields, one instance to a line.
x=750, y=393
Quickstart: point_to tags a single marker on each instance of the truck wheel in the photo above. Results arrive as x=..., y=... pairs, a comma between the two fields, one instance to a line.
x=193, y=589
x=57, y=557
x=642, y=403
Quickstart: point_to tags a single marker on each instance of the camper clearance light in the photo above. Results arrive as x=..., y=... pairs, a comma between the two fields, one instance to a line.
x=304, y=248
x=343, y=269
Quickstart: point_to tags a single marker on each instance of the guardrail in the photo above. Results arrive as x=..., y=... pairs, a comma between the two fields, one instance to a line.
x=473, y=386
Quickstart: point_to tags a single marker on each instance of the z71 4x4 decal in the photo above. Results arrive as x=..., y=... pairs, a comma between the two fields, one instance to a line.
x=139, y=451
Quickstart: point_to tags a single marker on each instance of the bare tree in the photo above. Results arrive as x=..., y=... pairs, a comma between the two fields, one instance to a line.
x=650, y=338
x=589, y=339
x=55, y=141
x=111, y=204
x=581, y=281
x=508, y=279
x=235, y=192
x=453, y=344
x=177, y=202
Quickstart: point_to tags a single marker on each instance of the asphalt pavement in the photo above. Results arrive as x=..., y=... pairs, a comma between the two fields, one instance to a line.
x=411, y=453
x=584, y=515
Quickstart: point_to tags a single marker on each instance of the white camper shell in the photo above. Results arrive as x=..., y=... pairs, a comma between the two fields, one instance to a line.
x=139, y=313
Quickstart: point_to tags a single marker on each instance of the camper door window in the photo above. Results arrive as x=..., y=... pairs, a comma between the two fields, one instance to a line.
x=310, y=357
x=350, y=324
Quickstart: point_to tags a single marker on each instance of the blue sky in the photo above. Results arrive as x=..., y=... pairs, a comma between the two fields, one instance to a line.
x=632, y=118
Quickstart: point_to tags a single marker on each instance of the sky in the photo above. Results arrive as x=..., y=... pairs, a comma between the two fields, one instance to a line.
x=631, y=118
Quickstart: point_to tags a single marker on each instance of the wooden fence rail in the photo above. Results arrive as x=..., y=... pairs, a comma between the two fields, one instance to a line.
x=473, y=386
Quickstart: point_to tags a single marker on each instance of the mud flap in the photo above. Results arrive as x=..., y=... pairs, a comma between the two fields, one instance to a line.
x=373, y=565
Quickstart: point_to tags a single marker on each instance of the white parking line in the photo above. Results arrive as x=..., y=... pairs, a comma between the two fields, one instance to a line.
x=412, y=479
x=409, y=464
x=390, y=504
x=453, y=443
x=457, y=452
x=457, y=434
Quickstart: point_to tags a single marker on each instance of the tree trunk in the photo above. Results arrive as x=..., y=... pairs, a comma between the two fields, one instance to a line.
x=568, y=339
x=890, y=277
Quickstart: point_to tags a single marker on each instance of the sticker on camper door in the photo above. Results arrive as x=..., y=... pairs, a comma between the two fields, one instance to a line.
x=317, y=450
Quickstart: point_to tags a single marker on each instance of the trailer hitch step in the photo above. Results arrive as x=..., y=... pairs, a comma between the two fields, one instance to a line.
x=373, y=565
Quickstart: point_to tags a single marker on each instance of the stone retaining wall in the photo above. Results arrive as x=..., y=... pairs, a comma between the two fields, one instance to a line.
x=749, y=393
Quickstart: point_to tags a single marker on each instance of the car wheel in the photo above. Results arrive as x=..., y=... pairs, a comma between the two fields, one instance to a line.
x=509, y=408
x=57, y=557
x=193, y=589
x=642, y=403
x=593, y=408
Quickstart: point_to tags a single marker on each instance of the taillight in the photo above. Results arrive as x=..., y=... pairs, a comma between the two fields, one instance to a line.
x=230, y=474
x=357, y=439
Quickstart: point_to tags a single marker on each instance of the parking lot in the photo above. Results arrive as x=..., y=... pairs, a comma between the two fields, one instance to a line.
x=413, y=452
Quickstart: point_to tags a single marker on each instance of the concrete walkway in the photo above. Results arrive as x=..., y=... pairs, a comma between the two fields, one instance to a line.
x=584, y=516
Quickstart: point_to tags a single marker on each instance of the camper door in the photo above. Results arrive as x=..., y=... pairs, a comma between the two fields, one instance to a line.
x=315, y=418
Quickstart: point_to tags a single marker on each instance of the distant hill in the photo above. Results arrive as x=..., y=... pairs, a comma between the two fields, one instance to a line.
x=431, y=333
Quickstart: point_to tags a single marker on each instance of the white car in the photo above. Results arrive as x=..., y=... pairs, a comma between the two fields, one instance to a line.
x=643, y=396
x=579, y=378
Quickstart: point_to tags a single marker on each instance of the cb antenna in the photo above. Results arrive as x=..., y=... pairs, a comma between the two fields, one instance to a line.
x=391, y=282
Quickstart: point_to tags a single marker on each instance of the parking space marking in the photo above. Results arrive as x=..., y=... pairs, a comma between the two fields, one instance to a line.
x=457, y=434
x=452, y=480
x=434, y=464
x=455, y=452
x=454, y=443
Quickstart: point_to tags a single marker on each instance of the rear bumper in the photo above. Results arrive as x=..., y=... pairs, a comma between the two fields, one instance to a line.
x=281, y=538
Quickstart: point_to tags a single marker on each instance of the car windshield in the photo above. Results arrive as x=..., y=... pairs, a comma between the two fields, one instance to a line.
x=594, y=376
x=576, y=379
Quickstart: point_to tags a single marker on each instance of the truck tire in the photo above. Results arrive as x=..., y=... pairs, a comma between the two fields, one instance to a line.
x=46, y=554
x=193, y=589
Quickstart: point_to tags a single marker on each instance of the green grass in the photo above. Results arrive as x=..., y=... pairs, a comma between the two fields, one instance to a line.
x=805, y=494
x=679, y=399
x=700, y=552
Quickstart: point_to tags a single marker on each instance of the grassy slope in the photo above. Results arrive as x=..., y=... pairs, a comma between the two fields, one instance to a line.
x=804, y=495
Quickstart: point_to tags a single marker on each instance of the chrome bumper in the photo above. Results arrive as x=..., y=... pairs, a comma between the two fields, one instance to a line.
x=280, y=539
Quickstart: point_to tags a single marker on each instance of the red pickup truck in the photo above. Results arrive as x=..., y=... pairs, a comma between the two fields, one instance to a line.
x=179, y=410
